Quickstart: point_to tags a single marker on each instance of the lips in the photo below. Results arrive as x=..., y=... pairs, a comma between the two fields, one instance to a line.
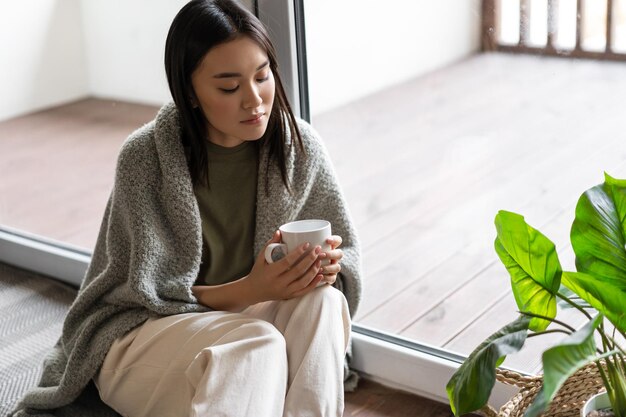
x=254, y=118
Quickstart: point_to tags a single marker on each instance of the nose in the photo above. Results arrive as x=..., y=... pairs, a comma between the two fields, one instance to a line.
x=252, y=97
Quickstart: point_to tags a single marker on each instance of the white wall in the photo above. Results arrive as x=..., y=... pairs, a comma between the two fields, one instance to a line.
x=125, y=42
x=55, y=51
x=41, y=55
x=358, y=47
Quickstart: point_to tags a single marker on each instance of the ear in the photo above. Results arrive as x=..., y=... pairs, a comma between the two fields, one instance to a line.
x=193, y=99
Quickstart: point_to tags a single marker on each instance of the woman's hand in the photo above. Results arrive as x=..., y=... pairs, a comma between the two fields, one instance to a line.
x=293, y=276
x=331, y=270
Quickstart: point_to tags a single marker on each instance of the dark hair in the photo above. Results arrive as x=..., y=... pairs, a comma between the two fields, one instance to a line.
x=199, y=26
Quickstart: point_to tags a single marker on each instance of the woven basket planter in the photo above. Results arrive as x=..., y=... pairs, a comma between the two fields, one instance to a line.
x=568, y=402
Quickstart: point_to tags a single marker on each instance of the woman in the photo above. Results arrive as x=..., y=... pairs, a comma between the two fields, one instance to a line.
x=176, y=316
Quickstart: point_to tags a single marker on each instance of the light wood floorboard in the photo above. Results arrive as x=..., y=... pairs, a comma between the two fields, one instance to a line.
x=57, y=167
x=521, y=133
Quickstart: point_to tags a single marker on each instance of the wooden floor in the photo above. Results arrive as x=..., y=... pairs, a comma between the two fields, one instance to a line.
x=374, y=400
x=425, y=166
x=57, y=166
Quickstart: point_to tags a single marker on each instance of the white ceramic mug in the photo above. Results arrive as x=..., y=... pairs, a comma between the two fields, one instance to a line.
x=294, y=234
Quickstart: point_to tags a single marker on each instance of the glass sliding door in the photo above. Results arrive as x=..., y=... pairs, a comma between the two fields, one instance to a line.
x=430, y=137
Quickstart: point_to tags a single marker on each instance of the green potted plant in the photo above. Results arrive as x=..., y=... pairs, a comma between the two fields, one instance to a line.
x=597, y=289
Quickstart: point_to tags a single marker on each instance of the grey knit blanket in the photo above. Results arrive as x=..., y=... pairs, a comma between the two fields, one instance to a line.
x=149, y=247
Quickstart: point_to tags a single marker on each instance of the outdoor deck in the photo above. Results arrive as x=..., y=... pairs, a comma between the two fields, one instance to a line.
x=425, y=167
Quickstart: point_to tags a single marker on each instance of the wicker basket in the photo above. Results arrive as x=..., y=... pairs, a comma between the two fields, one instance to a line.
x=567, y=403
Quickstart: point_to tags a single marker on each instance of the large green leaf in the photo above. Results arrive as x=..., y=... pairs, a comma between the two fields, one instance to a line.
x=574, y=352
x=601, y=295
x=470, y=386
x=562, y=361
x=598, y=232
x=533, y=265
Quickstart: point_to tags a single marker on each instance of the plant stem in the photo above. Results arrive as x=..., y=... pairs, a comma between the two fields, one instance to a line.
x=548, y=331
x=618, y=385
x=552, y=320
x=616, y=345
x=606, y=343
x=573, y=304
x=605, y=380
x=620, y=361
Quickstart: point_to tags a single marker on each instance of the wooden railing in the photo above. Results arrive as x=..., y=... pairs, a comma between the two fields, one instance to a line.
x=490, y=31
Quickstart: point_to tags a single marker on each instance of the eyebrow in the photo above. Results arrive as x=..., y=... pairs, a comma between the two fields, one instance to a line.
x=236, y=74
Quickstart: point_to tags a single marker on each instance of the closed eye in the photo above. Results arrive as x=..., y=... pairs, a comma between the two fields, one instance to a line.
x=229, y=90
x=258, y=80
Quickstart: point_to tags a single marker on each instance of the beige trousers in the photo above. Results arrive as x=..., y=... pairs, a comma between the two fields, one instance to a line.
x=277, y=358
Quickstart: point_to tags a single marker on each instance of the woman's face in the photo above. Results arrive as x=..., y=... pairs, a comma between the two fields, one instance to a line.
x=234, y=87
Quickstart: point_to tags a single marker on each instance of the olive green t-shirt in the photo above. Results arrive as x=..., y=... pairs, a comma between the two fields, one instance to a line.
x=227, y=209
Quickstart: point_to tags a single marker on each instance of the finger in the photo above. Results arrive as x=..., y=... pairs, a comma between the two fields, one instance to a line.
x=331, y=269
x=274, y=239
x=301, y=281
x=312, y=285
x=330, y=279
x=334, y=241
x=304, y=263
x=336, y=254
x=290, y=260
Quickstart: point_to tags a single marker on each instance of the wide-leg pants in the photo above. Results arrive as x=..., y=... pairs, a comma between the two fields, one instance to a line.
x=277, y=358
